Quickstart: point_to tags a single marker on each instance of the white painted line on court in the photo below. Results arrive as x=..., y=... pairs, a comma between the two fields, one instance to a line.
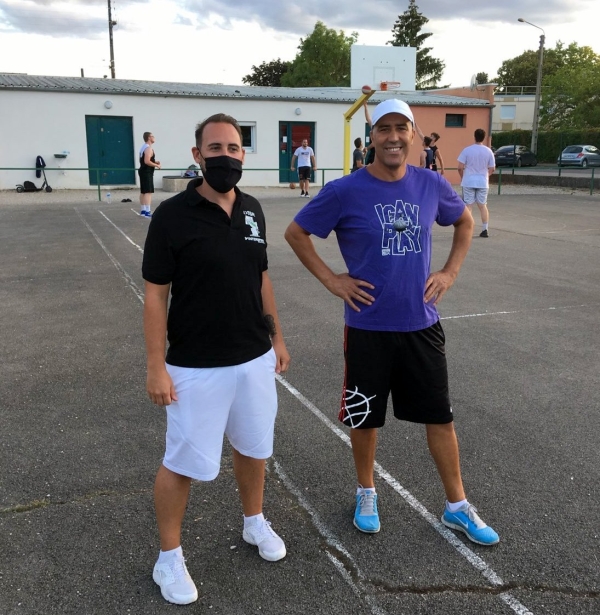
x=134, y=287
x=470, y=556
x=332, y=541
x=135, y=245
x=515, y=605
x=546, y=309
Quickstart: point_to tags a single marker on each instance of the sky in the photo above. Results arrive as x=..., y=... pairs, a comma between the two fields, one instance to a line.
x=218, y=41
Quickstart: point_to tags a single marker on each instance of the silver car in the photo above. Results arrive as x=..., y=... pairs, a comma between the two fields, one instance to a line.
x=580, y=156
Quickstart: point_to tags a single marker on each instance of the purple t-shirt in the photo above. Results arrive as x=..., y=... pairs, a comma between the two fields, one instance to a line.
x=361, y=209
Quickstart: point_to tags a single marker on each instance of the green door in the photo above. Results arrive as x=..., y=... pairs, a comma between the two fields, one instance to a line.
x=110, y=149
x=291, y=135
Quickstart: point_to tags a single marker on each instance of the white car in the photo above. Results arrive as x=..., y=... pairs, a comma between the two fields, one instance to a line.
x=579, y=155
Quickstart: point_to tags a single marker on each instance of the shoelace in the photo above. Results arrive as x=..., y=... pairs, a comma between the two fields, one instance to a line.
x=265, y=531
x=179, y=569
x=367, y=504
x=473, y=516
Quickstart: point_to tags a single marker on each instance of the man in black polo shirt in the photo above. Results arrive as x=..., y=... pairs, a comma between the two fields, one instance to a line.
x=207, y=248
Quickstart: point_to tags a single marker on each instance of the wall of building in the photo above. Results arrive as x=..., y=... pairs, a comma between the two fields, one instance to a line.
x=513, y=112
x=452, y=139
x=46, y=123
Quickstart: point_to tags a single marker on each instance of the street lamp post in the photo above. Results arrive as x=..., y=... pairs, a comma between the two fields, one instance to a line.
x=538, y=87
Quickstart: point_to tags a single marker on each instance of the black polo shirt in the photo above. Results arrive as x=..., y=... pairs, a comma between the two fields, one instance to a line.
x=214, y=265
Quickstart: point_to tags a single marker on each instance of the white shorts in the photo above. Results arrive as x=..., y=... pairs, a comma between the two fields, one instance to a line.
x=475, y=195
x=239, y=401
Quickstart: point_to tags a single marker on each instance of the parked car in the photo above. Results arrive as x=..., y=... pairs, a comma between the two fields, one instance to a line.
x=514, y=155
x=580, y=156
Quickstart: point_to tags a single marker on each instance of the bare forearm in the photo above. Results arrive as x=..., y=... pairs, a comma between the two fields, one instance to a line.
x=270, y=308
x=155, y=326
x=461, y=241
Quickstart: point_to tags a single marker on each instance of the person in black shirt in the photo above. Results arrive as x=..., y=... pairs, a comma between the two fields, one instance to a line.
x=148, y=163
x=207, y=248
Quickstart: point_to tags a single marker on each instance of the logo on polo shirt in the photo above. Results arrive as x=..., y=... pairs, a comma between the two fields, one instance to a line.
x=254, y=230
x=395, y=243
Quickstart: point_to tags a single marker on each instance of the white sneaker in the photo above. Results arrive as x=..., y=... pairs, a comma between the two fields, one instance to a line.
x=175, y=582
x=270, y=546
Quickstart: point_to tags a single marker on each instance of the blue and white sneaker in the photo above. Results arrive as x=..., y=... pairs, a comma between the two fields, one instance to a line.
x=466, y=520
x=366, y=517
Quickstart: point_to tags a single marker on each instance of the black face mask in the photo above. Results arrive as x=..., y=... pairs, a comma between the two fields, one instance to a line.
x=222, y=173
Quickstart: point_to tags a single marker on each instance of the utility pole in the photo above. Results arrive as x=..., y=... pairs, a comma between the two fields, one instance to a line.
x=111, y=23
x=538, y=87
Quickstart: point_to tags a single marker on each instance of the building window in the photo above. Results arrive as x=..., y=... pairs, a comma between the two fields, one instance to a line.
x=248, y=136
x=455, y=120
x=508, y=112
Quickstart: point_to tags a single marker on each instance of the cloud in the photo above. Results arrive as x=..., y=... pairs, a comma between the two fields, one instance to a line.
x=88, y=18
x=71, y=19
x=180, y=20
x=299, y=16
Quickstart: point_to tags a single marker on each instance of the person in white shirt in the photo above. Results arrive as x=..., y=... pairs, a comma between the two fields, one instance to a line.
x=475, y=165
x=306, y=159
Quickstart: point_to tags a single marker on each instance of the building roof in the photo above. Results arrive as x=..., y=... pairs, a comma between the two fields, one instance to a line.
x=86, y=85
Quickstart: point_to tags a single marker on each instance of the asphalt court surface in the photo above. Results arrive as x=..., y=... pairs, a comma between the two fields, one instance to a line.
x=80, y=443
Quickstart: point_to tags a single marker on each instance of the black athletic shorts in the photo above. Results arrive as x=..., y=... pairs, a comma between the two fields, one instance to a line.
x=146, y=181
x=412, y=366
x=303, y=172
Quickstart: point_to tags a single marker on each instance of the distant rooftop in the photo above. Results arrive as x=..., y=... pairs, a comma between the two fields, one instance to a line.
x=39, y=83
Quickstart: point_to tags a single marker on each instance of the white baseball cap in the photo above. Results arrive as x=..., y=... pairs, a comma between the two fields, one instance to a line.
x=393, y=105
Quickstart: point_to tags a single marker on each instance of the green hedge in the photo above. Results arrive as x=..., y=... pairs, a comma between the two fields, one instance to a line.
x=550, y=143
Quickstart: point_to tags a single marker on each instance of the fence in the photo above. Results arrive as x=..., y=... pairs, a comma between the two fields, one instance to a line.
x=99, y=184
x=558, y=180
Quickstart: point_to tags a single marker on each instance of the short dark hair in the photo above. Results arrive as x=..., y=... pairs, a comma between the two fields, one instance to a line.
x=147, y=135
x=217, y=118
x=357, y=142
x=479, y=135
x=427, y=141
x=435, y=136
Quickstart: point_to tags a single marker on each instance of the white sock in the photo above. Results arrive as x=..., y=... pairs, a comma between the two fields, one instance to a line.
x=454, y=506
x=165, y=556
x=484, y=226
x=360, y=490
x=254, y=519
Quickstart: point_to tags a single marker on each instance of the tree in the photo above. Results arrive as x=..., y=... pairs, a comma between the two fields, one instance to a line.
x=323, y=59
x=482, y=78
x=522, y=70
x=570, y=96
x=407, y=33
x=268, y=74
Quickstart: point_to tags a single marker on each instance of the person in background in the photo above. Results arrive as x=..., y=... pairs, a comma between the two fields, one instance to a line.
x=306, y=160
x=475, y=165
x=438, y=162
x=426, y=158
x=148, y=164
x=358, y=156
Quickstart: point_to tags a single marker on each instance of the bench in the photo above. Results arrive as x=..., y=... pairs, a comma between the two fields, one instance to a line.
x=175, y=183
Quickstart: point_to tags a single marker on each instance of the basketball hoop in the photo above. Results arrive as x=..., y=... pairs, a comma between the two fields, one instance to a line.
x=384, y=86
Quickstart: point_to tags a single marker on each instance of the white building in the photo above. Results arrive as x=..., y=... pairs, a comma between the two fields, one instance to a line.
x=514, y=109
x=98, y=125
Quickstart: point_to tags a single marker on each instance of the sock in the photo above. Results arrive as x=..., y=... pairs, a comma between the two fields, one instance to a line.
x=484, y=226
x=360, y=490
x=165, y=556
x=454, y=506
x=254, y=519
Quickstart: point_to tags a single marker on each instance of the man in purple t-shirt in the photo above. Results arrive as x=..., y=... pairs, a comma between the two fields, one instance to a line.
x=383, y=215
